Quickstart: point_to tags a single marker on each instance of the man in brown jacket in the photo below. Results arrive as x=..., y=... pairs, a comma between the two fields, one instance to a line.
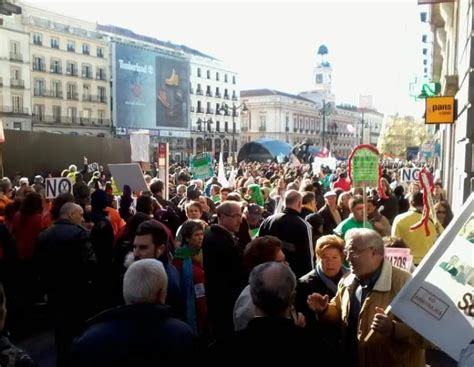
x=360, y=303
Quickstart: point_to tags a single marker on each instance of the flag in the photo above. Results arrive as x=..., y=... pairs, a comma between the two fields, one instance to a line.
x=323, y=153
x=221, y=172
x=232, y=175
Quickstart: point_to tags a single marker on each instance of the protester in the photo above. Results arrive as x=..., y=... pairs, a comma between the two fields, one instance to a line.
x=355, y=220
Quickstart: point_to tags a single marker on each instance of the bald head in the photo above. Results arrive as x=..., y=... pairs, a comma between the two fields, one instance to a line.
x=71, y=212
x=293, y=200
x=272, y=287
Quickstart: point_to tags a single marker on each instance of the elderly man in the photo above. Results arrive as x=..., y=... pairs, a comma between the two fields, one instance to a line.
x=330, y=213
x=225, y=275
x=294, y=232
x=67, y=268
x=141, y=333
x=360, y=302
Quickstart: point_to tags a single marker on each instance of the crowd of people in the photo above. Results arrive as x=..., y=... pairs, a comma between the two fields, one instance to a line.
x=280, y=265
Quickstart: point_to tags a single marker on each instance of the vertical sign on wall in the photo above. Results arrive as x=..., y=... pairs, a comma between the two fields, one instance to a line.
x=163, y=166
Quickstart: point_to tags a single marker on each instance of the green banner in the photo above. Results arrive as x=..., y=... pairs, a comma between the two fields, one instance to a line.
x=365, y=168
x=201, y=166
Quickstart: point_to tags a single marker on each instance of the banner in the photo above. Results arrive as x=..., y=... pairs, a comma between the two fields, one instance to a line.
x=201, y=166
x=439, y=301
x=364, y=166
x=409, y=174
x=139, y=143
x=330, y=162
x=399, y=257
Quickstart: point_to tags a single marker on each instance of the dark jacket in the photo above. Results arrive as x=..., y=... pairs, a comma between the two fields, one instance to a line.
x=329, y=223
x=12, y=356
x=268, y=341
x=134, y=335
x=225, y=277
x=295, y=233
x=390, y=207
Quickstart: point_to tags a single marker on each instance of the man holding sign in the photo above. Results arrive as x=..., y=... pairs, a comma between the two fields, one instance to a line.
x=360, y=302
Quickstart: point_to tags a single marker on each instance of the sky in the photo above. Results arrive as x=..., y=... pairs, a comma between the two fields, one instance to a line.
x=374, y=46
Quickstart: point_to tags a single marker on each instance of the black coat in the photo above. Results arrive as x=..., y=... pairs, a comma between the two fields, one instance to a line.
x=268, y=341
x=390, y=207
x=225, y=277
x=294, y=232
x=134, y=335
x=329, y=223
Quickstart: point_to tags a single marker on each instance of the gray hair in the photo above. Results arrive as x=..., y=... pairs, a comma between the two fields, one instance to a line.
x=272, y=287
x=292, y=197
x=143, y=281
x=369, y=237
x=67, y=209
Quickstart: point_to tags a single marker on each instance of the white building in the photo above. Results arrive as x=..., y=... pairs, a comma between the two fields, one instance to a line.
x=370, y=128
x=15, y=85
x=280, y=116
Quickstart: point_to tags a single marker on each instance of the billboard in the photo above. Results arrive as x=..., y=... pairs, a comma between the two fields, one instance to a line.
x=151, y=90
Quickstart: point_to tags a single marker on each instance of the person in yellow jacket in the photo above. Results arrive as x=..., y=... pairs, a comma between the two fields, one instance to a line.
x=416, y=240
x=360, y=302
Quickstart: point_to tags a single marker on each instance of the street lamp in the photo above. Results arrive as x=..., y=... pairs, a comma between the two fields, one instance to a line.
x=225, y=108
x=323, y=112
x=207, y=129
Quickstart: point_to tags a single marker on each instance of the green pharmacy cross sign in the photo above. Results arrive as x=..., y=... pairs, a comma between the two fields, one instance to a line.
x=364, y=166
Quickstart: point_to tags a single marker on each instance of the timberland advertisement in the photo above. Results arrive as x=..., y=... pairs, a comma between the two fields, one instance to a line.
x=151, y=90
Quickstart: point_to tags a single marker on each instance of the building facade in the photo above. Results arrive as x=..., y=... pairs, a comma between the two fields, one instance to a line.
x=216, y=108
x=15, y=85
x=368, y=131
x=280, y=116
x=452, y=59
x=70, y=75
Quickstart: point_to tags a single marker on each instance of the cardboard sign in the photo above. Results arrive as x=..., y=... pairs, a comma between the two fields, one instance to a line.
x=399, y=257
x=364, y=168
x=409, y=174
x=440, y=110
x=56, y=186
x=92, y=167
x=438, y=302
x=201, y=166
x=330, y=162
x=128, y=174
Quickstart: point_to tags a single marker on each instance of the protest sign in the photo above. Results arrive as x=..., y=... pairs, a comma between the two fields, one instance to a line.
x=92, y=167
x=438, y=302
x=139, y=143
x=201, y=166
x=128, y=174
x=364, y=166
x=409, y=174
x=330, y=162
x=399, y=257
x=56, y=186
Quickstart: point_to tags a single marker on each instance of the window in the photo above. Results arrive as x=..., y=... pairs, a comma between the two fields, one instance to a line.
x=100, y=52
x=218, y=112
x=233, y=79
x=86, y=114
x=86, y=71
x=86, y=90
x=199, y=72
x=39, y=87
x=86, y=49
x=56, y=89
x=287, y=123
x=17, y=104
x=71, y=68
x=263, y=123
x=234, y=129
x=218, y=126
x=208, y=91
x=39, y=112
x=57, y=113
x=38, y=63
x=218, y=93
x=319, y=78
x=226, y=126
x=37, y=39
x=100, y=74
x=217, y=76
x=208, y=74
x=71, y=46
x=101, y=94
x=15, y=73
x=72, y=91
x=17, y=125
x=226, y=94
x=56, y=66
x=101, y=116
x=54, y=42
x=15, y=54
x=199, y=90
x=225, y=78
x=72, y=114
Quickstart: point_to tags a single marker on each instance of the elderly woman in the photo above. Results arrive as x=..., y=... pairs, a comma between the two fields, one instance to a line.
x=323, y=279
x=188, y=262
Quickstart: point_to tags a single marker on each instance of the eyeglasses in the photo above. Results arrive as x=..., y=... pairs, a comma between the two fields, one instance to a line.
x=440, y=212
x=355, y=253
x=232, y=215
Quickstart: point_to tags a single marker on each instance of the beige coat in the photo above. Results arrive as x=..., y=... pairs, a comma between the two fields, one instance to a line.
x=404, y=348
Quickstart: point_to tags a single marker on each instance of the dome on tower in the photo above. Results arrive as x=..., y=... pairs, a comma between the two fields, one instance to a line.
x=323, y=50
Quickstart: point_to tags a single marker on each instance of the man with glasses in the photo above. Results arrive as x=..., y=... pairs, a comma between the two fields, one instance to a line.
x=360, y=302
x=223, y=267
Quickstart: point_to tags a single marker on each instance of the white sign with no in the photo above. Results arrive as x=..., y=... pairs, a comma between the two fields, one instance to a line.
x=409, y=174
x=56, y=186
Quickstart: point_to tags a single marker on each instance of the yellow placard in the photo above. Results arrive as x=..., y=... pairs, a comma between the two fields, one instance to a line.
x=440, y=110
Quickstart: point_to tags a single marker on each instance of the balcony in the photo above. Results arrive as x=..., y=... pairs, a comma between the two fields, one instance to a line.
x=56, y=69
x=71, y=72
x=38, y=41
x=200, y=110
x=234, y=98
x=236, y=114
x=39, y=67
x=199, y=92
x=86, y=51
x=87, y=75
x=47, y=93
x=101, y=76
x=14, y=110
x=208, y=93
x=54, y=45
x=71, y=49
x=210, y=111
x=16, y=56
x=262, y=128
x=73, y=96
x=17, y=83
x=226, y=96
x=226, y=113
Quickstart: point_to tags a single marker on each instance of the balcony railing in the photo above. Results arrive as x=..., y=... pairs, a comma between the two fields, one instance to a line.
x=37, y=41
x=73, y=96
x=101, y=76
x=208, y=93
x=234, y=98
x=199, y=92
x=17, y=83
x=56, y=69
x=200, y=110
x=94, y=98
x=262, y=128
x=39, y=67
x=13, y=110
x=87, y=75
x=226, y=96
x=16, y=56
x=69, y=120
x=210, y=110
x=218, y=95
x=47, y=93
x=71, y=72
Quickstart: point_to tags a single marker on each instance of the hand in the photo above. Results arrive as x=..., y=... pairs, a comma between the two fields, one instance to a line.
x=377, y=225
x=85, y=160
x=317, y=302
x=382, y=323
x=300, y=320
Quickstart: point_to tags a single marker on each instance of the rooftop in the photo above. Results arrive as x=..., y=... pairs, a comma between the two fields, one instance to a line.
x=270, y=92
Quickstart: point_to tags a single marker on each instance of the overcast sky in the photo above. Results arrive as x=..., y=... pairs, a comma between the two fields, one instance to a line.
x=374, y=46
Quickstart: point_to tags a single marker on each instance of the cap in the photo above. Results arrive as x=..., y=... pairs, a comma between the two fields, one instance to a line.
x=192, y=192
x=329, y=194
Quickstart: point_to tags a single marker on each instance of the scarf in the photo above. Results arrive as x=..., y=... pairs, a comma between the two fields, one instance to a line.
x=327, y=281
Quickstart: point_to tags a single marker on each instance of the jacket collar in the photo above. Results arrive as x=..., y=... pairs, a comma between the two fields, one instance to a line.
x=142, y=311
x=383, y=283
x=290, y=211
